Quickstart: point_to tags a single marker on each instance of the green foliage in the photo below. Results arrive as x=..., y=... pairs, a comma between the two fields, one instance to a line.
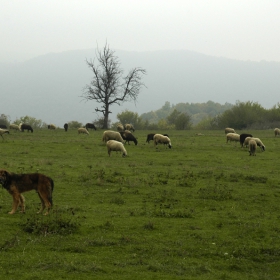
x=197, y=111
x=201, y=210
x=129, y=117
x=5, y=120
x=74, y=124
x=35, y=123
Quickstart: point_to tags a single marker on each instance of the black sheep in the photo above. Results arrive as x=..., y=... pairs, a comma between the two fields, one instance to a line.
x=128, y=136
x=243, y=136
x=65, y=126
x=90, y=125
x=26, y=127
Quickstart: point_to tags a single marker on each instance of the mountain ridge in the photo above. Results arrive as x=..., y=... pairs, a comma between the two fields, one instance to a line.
x=49, y=87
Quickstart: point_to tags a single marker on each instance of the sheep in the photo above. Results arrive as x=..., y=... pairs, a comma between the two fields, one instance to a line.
x=229, y=130
x=128, y=136
x=3, y=126
x=26, y=127
x=129, y=127
x=113, y=145
x=161, y=139
x=260, y=144
x=14, y=126
x=276, y=131
x=243, y=137
x=233, y=137
x=90, y=125
x=20, y=125
x=3, y=131
x=252, y=147
x=112, y=135
x=65, y=126
x=258, y=141
x=150, y=137
x=83, y=130
x=120, y=127
x=52, y=126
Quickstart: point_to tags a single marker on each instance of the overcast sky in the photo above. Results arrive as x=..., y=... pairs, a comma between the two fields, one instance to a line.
x=238, y=29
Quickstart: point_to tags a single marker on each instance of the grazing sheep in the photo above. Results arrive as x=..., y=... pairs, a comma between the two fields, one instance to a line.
x=161, y=139
x=120, y=127
x=113, y=145
x=112, y=135
x=229, y=130
x=128, y=136
x=243, y=136
x=90, y=125
x=52, y=126
x=26, y=127
x=65, y=126
x=3, y=126
x=129, y=127
x=260, y=144
x=150, y=137
x=233, y=137
x=258, y=141
x=252, y=147
x=20, y=125
x=3, y=131
x=83, y=130
x=14, y=126
x=276, y=131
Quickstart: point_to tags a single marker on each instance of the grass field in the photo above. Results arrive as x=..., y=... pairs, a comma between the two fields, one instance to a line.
x=201, y=210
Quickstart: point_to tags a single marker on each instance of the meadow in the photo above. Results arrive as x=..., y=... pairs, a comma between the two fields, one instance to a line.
x=204, y=209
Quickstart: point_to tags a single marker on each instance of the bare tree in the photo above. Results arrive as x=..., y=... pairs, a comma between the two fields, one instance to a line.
x=108, y=87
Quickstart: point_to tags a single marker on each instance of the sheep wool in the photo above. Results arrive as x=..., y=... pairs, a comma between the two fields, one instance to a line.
x=160, y=139
x=83, y=130
x=276, y=131
x=120, y=127
x=112, y=135
x=229, y=130
x=129, y=127
x=233, y=137
x=14, y=126
x=252, y=147
x=113, y=145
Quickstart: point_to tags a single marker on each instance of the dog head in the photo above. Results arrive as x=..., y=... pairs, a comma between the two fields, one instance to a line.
x=4, y=174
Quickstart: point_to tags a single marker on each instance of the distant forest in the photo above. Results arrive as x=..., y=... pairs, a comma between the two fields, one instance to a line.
x=197, y=111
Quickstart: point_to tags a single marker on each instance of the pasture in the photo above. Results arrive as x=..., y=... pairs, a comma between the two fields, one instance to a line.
x=204, y=209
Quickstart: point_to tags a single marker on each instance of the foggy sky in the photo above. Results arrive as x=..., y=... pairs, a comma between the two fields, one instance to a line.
x=238, y=29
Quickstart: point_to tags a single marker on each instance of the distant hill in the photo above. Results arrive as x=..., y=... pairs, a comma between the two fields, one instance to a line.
x=49, y=87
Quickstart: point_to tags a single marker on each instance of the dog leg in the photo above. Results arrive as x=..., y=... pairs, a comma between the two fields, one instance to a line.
x=22, y=203
x=42, y=204
x=16, y=201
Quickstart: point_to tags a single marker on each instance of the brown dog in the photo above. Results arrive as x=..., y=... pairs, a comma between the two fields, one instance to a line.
x=16, y=184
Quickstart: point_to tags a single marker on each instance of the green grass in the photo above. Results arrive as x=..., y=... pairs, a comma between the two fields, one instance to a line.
x=201, y=210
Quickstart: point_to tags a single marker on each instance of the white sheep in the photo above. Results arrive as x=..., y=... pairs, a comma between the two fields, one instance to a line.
x=112, y=135
x=113, y=145
x=258, y=141
x=252, y=147
x=233, y=137
x=129, y=127
x=14, y=126
x=276, y=131
x=229, y=130
x=161, y=139
x=83, y=130
x=3, y=131
x=120, y=127
x=51, y=126
x=20, y=125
